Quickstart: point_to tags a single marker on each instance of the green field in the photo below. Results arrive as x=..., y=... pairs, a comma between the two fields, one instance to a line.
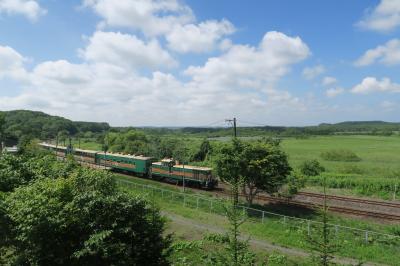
x=380, y=156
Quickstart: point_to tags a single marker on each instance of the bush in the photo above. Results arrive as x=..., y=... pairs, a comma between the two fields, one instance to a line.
x=311, y=168
x=340, y=155
x=83, y=220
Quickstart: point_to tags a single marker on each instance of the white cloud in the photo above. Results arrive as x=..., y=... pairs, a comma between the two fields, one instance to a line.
x=313, y=72
x=152, y=17
x=126, y=51
x=333, y=92
x=28, y=8
x=388, y=54
x=198, y=38
x=99, y=89
x=169, y=18
x=383, y=18
x=11, y=63
x=250, y=67
x=328, y=81
x=371, y=84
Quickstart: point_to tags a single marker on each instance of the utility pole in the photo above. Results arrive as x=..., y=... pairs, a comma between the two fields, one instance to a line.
x=233, y=121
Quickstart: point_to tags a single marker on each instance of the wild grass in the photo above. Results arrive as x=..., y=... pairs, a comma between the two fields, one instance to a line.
x=279, y=231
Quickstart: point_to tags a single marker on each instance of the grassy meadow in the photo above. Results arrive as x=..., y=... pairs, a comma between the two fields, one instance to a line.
x=380, y=156
x=273, y=230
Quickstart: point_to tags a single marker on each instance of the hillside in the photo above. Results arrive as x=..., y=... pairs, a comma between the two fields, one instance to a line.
x=20, y=123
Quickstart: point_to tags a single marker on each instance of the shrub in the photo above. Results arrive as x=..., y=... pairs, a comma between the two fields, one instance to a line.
x=340, y=155
x=311, y=168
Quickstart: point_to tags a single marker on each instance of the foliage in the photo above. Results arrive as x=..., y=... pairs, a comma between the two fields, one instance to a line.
x=262, y=166
x=205, y=149
x=14, y=172
x=311, y=168
x=321, y=241
x=2, y=129
x=40, y=125
x=83, y=220
x=295, y=181
x=340, y=155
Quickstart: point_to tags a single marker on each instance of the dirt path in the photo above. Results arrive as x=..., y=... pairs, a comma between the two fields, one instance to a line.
x=182, y=221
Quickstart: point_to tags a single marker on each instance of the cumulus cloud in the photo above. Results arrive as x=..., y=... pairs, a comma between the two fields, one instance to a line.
x=328, y=81
x=168, y=18
x=247, y=66
x=387, y=54
x=101, y=89
x=127, y=51
x=152, y=17
x=11, y=63
x=383, y=18
x=313, y=72
x=371, y=84
x=202, y=37
x=28, y=8
x=333, y=92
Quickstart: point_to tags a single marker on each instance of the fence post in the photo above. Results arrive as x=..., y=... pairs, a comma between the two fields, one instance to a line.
x=211, y=205
x=263, y=214
x=309, y=228
x=366, y=237
x=162, y=193
x=197, y=203
x=336, y=230
x=284, y=219
x=184, y=200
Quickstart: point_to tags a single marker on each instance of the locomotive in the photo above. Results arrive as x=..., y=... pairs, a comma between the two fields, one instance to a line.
x=166, y=169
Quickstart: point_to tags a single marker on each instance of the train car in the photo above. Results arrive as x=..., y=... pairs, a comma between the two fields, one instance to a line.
x=60, y=151
x=85, y=156
x=130, y=163
x=194, y=175
x=140, y=165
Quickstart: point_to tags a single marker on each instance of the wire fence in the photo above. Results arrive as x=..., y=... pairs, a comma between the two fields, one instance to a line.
x=305, y=226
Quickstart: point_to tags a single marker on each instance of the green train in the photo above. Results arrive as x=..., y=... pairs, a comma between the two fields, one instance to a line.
x=166, y=169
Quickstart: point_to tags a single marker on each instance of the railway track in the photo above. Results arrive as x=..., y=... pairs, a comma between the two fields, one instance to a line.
x=351, y=211
x=349, y=199
x=265, y=198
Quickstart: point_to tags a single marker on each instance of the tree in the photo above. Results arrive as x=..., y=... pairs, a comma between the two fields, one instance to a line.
x=266, y=169
x=2, y=130
x=321, y=242
x=311, y=168
x=84, y=220
x=13, y=172
x=261, y=165
x=205, y=149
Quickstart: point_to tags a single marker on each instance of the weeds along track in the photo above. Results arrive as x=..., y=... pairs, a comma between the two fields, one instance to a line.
x=312, y=201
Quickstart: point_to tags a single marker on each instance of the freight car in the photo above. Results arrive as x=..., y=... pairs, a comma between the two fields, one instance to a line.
x=166, y=169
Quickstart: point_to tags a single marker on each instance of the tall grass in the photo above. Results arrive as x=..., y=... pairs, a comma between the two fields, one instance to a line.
x=368, y=186
x=341, y=155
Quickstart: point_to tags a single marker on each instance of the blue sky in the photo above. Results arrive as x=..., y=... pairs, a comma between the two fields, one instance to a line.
x=175, y=63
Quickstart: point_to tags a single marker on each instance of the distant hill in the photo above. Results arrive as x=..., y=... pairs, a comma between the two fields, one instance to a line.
x=40, y=125
x=349, y=127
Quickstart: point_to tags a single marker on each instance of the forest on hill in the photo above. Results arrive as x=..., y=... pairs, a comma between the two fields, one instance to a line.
x=32, y=124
